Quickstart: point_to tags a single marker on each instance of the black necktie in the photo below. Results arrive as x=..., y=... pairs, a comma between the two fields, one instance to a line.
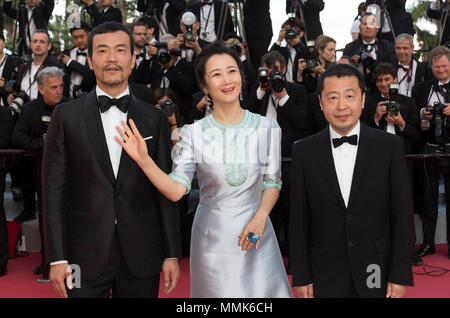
x=81, y=53
x=352, y=140
x=105, y=103
x=403, y=67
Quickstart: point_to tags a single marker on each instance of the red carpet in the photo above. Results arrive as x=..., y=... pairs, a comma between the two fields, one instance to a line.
x=21, y=283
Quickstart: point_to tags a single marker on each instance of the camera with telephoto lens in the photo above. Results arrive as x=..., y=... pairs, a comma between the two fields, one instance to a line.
x=437, y=112
x=291, y=33
x=169, y=108
x=164, y=54
x=367, y=60
x=20, y=97
x=392, y=106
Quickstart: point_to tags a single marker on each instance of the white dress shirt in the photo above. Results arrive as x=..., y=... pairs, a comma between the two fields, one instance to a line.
x=30, y=78
x=76, y=78
x=110, y=120
x=207, y=26
x=344, y=158
x=405, y=87
x=273, y=103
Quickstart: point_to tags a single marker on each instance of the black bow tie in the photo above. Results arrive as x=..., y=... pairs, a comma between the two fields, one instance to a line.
x=403, y=67
x=352, y=140
x=445, y=86
x=105, y=103
x=81, y=53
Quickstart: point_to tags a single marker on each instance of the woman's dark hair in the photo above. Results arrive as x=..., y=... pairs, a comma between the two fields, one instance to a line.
x=341, y=70
x=215, y=48
x=109, y=27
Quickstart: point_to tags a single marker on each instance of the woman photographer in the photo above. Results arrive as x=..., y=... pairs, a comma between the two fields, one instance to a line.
x=320, y=57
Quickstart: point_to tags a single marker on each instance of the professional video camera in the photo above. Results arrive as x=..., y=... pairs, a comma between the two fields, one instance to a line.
x=275, y=81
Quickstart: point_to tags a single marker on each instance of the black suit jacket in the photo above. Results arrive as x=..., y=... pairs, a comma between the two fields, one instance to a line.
x=257, y=22
x=411, y=134
x=385, y=51
x=196, y=8
x=8, y=73
x=87, y=83
x=293, y=117
x=41, y=15
x=172, y=13
x=29, y=128
x=82, y=198
x=318, y=121
x=6, y=127
x=301, y=52
x=311, y=12
x=99, y=17
x=332, y=244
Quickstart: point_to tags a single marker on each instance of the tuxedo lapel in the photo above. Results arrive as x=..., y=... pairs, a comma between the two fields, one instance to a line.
x=96, y=134
x=363, y=158
x=326, y=161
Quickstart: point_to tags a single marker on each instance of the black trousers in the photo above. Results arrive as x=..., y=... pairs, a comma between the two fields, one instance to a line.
x=434, y=169
x=27, y=180
x=117, y=281
x=3, y=228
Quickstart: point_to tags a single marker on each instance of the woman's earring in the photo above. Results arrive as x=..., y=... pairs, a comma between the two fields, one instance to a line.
x=209, y=100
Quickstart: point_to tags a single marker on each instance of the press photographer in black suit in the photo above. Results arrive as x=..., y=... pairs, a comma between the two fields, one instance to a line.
x=433, y=99
x=6, y=127
x=33, y=16
x=167, y=11
x=7, y=65
x=439, y=10
x=107, y=12
x=31, y=128
x=311, y=12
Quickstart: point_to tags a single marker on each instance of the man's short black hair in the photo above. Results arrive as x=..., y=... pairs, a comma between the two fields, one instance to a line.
x=83, y=26
x=2, y=36
x=109, y=27
x=341, y=70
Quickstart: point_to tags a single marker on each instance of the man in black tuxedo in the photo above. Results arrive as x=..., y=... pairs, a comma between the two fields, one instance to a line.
x=367, y=51
x=6, y=127
x=311, y=12
x=7, y=65
x=108, y=13
x=79, y=77
x=33, y=16
x=351, y=220
x=436, y=137
x=288, y=106
x=167, y=12
x=409, y=70
x=100, y=211
x=209, y=12
x=258, y=29
x=401, y=118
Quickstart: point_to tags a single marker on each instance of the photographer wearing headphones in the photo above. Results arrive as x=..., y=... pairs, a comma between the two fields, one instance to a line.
x=433, y=98
x=31, y=129
x=292, y=31
x=32, y=15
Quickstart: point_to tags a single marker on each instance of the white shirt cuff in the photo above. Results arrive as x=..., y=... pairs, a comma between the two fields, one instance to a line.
x=68, y=62
x=59, y=262
x=283, y=101
x=260, y=93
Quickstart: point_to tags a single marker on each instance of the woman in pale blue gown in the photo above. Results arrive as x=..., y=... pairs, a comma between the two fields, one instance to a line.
x=236, y=155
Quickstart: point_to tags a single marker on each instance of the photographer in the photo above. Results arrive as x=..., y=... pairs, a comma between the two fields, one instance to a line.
x=321, y=55
x=107, y=12
x=79, y=76
x=6, y=127
x=165, y=100
x=174, y=73
x=188, y=41
x=167, y=11
x=433, y=99
x=31, y=128
x=7, y=65
x=31, y=15
x=26, y=78
x=292, y=31
x=285, y=102
x=390, y=111
x=395, y=11
x=311, y=12
x=439, y=10
x=367, y=51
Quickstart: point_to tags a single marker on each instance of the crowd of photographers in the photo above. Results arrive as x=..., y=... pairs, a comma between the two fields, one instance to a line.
x=404, y=96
